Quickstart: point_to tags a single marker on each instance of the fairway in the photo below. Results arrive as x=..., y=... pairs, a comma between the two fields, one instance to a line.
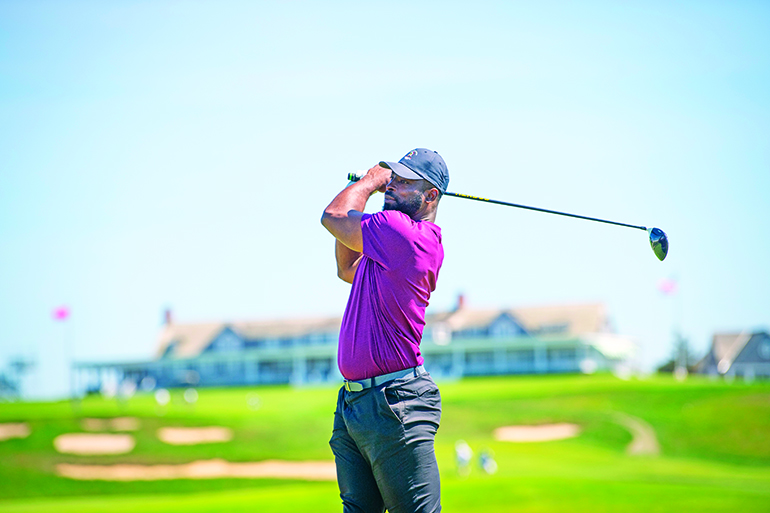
x=714, y=449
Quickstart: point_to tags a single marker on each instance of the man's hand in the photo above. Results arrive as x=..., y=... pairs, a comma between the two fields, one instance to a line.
x=381, y=175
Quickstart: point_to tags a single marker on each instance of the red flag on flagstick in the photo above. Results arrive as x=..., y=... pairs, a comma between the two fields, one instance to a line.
x=61, y=313
x=667, y=286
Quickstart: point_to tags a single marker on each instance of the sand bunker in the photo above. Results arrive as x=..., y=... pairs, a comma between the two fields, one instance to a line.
x=115, y=424
x=192, y=436
x=88, y=443
x=542, y=433
x=14, y=430
x=203, y=469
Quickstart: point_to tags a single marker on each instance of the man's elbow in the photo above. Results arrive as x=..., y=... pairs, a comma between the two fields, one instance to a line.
x=330, y=220
x=345, y=275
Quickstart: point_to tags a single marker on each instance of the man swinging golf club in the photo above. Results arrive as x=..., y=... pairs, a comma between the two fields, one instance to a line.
x=389, y=408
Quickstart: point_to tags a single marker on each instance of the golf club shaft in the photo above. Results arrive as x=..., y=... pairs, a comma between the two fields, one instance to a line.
x=354, y=177
x=507, y=204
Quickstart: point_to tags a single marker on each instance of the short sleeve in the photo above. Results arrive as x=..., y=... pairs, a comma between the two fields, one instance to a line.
x=387, y=237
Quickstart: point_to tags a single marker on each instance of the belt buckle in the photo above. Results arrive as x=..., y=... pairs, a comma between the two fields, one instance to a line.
x=353, y=386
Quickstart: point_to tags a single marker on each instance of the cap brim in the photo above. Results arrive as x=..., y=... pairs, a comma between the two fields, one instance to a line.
x=401, y=170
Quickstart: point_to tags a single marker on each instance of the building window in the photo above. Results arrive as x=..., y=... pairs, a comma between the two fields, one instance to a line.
x=480, y=358
x=552, y=329
x=520, y=355
x=439, y=364
x=471, y=333
x=275, y=371
x=254, y=344
x=562, y=353
x=275, y=367
x=318, y=369
x=319, y=364
x=311, y=339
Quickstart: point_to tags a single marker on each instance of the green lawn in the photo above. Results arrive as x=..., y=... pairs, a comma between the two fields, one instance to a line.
x=714, y=437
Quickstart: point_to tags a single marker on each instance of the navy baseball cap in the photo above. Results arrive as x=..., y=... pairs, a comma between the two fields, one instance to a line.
x=422, y=164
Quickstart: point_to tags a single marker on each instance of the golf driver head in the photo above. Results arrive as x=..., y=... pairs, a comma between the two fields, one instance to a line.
x=659, y=242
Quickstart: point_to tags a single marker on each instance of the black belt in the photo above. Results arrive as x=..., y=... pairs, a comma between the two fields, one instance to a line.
x=363, y=384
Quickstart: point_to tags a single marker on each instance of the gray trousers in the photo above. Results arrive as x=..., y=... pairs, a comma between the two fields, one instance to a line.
x=383, y=447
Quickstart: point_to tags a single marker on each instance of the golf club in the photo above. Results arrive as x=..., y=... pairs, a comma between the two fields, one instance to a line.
x=658, y=238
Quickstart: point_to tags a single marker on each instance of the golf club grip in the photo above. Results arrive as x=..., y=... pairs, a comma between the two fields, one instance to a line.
x=537, y=209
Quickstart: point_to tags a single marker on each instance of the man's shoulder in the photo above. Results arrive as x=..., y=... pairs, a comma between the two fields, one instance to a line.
x=389, y=220
x=400, y=225
x=396, y=217
x=392, y=216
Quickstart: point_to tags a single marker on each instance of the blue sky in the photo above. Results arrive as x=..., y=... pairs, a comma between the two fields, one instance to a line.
x=179, y=154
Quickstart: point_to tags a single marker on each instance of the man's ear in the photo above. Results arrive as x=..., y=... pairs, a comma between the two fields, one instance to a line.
x=431, y=195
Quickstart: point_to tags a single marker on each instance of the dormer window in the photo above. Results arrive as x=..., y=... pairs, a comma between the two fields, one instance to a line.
x=226, y=342
x=505, y=326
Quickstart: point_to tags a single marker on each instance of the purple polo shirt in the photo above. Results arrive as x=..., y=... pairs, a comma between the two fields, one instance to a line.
x=383, y=322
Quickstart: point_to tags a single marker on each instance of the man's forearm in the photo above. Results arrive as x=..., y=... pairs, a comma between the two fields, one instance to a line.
x=352, y=197
x=343, y=215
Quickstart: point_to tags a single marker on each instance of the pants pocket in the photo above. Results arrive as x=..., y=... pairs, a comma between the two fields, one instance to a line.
x=393, y=403
x=416, y=404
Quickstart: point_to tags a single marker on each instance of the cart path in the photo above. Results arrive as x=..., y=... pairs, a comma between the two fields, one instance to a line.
x=644, y=442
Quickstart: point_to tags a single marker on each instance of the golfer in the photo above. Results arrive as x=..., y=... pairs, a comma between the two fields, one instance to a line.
x=389, y=408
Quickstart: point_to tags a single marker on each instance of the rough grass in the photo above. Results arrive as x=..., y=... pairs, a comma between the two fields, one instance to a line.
x=715, y=441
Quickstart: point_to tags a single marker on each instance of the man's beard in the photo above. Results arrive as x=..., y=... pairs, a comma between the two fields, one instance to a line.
x=409, y=207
